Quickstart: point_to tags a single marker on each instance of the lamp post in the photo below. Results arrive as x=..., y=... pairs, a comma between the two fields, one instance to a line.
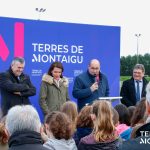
x=40, y=10
x=137, y=37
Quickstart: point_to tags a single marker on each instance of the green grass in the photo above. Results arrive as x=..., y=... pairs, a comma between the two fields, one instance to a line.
x=123, y=78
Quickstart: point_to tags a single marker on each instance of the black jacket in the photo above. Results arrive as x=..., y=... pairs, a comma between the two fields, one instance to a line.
x=113, y=145
x=128, y=92
x=9, y=84
x=26, y=140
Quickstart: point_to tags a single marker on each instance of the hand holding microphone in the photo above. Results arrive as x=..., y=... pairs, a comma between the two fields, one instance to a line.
x=95, y=85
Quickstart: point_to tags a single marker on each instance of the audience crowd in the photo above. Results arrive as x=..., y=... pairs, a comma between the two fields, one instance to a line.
x=96, y=126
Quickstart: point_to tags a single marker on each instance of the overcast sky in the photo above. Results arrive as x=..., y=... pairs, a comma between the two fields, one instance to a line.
x=133, y=16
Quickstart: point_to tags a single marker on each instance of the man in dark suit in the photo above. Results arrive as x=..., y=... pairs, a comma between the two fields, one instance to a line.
x=134, y=89
x=15, y=86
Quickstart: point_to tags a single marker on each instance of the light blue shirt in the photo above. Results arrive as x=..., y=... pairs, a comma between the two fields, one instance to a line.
x=140, y=85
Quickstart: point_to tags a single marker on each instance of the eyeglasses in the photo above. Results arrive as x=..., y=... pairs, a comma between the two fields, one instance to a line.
x=135, y=72
x=94, y=68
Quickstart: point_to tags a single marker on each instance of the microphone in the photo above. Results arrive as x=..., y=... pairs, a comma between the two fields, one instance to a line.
x=97, y=78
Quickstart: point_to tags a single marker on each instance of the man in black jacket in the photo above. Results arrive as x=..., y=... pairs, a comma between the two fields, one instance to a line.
x=23, y=127
x=15, y=86
x=134, y=89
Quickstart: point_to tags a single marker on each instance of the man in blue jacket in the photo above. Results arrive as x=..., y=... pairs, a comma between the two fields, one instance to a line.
x=90, y=85
x=15, y=86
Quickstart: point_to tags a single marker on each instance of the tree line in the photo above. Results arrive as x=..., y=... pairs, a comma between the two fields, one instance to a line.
x=127, y=63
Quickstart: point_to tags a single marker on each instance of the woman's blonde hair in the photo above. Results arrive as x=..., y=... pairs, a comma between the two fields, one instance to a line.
x=104, y=128
x=70, y=109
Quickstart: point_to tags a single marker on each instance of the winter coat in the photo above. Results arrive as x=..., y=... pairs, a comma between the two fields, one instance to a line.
x=3, y=146
x=82, y=91
x=81, y=132
x=52, y=96
x=9, y=84
x=124, y=131
x=62, y=144
x=89, y=143
x=26, y=140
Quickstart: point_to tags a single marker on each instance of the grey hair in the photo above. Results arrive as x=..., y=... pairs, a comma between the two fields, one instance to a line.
x=22, y=117
x=139, y=66
x=148, y=93
x=18, y=59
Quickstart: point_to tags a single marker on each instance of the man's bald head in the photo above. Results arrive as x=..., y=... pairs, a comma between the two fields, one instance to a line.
x=94, y=62
x=94, y=67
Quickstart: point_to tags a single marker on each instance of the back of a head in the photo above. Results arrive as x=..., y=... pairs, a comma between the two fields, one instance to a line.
x=139, y=113
x=131, y=110
x=103, y=123
x=123, y=114
x=115, y=116
x=24, y=117
x=84, y=117
x=70, y=109
x=59, y=125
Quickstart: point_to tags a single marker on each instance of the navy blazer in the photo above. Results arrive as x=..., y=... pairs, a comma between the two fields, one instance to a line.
x=128, y=92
